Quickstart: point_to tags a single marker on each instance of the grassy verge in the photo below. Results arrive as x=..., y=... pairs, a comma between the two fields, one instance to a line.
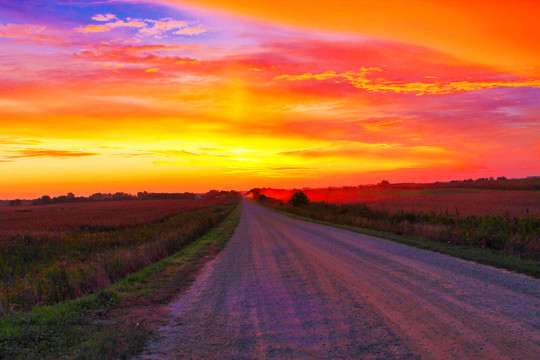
x=116, y=322
x=480, y=255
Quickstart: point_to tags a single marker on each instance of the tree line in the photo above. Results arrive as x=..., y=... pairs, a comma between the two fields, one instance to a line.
x=122, y=196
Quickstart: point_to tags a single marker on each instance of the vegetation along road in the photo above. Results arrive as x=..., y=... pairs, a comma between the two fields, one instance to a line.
x=285, y=288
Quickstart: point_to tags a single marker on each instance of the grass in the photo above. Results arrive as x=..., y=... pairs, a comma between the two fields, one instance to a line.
x=117, y=321
x=480, y=255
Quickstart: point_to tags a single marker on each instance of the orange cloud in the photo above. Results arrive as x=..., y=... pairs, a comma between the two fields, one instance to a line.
x=40, y=153
x=93, y=29
x=359, y=80
x=498, y=33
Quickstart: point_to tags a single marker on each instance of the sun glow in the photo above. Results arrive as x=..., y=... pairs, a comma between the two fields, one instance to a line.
x=142, y=95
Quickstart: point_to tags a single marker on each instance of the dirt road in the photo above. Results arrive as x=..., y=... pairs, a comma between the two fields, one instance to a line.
x=284, y=288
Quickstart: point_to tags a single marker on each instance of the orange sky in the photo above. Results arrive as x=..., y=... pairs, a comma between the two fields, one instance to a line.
x=189, y=96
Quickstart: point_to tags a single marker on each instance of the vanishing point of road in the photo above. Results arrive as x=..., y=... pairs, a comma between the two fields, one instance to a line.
x=289, y=289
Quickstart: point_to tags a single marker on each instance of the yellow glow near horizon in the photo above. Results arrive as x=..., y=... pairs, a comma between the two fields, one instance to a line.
x=145, y=96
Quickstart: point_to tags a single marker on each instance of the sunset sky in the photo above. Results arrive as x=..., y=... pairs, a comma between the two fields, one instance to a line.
x=127, y=95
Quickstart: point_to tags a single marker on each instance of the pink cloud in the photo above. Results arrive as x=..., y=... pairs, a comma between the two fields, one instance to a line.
x=101, y=17
x=28, y=32
x=147, y=27
x=111, y=25
x=191, y=31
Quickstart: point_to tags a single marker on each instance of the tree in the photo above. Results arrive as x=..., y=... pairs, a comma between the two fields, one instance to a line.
x=16, y=202
x=298, y=199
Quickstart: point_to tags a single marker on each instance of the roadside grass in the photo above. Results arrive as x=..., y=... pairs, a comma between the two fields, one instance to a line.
x=484, y=256
x=117, y=321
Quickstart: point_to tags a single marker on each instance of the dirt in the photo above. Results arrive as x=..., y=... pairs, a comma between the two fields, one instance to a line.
x=284, y=288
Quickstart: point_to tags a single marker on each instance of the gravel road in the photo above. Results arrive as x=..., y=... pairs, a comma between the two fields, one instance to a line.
x=289, y=289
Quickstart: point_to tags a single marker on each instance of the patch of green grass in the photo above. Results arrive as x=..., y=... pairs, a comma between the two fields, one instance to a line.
x=106, y=325
x=484, y=256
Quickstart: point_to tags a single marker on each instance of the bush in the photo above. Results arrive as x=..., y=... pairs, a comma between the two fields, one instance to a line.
x=298, y=199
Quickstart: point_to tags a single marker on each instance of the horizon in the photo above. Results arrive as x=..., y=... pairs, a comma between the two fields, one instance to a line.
x=165, y=95
x=244, y=191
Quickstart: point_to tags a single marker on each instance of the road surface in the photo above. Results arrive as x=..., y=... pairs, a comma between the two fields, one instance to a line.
x=289, y=289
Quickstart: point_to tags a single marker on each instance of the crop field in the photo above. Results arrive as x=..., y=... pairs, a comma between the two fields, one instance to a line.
x=483, y=203
x=56, y=252
x=56, y=219
x=461, y=202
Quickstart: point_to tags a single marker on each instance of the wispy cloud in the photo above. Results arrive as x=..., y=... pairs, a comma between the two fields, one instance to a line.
x=191, y=31
x=44, y=153
x=104, y=17
x=145, y=27
x=360, y=80
x=132, y=23
x=29, y=32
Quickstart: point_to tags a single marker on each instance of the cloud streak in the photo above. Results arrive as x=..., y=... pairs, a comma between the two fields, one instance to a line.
x=361, y=81
x=45, y=153
x=29, y=32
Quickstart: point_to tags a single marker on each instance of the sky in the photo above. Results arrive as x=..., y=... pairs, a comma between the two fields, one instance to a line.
x=167, y=96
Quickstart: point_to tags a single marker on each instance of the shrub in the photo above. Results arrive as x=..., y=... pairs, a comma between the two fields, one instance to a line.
x=299, y=199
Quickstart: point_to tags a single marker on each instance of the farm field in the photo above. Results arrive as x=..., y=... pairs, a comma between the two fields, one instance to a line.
x=57, y=252
x=56, y=219
x=456, y=201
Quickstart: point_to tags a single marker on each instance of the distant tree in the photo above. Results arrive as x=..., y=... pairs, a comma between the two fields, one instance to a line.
x=96, y=197
x=15, y=202
x=255, y=192
x=384, y=183
x=299, y=198
x=212, y=193
x=45, y=199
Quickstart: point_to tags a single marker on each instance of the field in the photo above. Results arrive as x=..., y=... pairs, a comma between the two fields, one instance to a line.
x=114, y=322
x=456, y=201
x=465, y=203
x=56, y=252
x=58, y=219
